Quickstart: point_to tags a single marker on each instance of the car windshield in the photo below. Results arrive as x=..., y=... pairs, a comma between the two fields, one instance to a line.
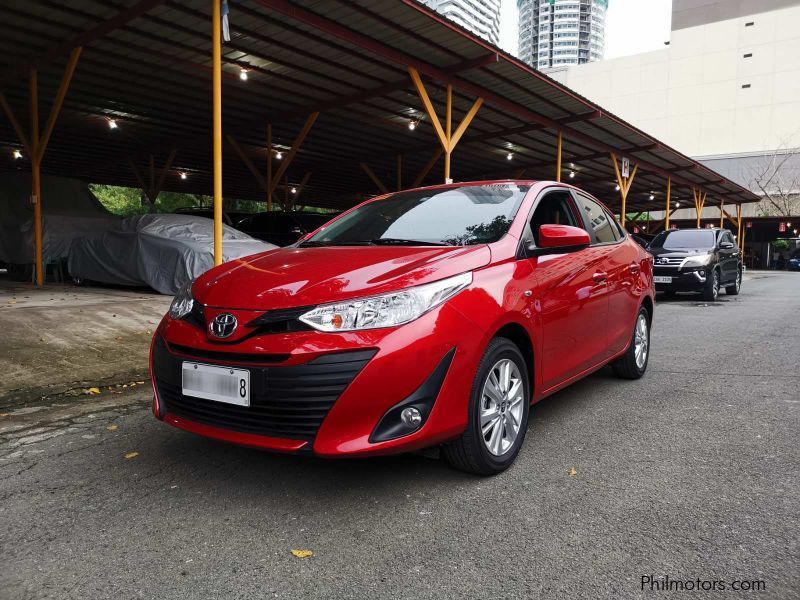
x=460, y=216
x=683, y=239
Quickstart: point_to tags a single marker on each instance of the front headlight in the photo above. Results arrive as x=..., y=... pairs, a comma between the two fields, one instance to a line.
x=699, y=260
x=182, y=302
x=386, y=310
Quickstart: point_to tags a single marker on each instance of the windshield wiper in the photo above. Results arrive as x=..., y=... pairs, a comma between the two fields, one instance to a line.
x=403, y=242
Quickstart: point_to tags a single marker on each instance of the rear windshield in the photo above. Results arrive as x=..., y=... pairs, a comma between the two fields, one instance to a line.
x=455, y=216
x=683, y=239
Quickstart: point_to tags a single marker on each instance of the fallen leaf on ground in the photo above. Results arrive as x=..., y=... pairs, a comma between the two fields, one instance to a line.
x=130, y=455
x=302, y=553
x=92, y=391
x=573, y=471
x=4, y=414
x=12, y=301
x=112, y=427
x=140, y=382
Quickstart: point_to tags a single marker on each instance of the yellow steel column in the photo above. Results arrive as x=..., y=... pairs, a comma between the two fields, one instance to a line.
x=216, y=96
x=269, y=166
x=448, y=119
x=739, y=226
x=36, y=191
x=558, y=157
x=669, y=193
x=721, y=212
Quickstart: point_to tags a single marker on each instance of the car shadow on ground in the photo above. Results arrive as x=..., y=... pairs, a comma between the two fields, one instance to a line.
x=691, y=299
x=280, y=476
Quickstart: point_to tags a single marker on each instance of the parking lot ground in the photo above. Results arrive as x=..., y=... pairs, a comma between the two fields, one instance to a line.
x=59, y=339
x=689, y=473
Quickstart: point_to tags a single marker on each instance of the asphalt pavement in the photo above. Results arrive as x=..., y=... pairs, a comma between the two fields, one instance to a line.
x=690, y=474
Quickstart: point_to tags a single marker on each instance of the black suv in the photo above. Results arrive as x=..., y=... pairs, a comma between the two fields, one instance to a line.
x=696, y=260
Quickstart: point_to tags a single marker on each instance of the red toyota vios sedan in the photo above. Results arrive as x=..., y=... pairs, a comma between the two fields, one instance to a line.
x=431, y=316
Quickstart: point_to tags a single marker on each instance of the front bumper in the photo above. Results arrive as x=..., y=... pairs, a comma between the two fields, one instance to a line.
x=323, y=393
x=683, y=280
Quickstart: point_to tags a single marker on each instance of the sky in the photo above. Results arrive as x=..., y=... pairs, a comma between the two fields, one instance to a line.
x=632, y=26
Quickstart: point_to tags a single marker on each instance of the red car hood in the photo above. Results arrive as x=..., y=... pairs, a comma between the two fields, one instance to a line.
x=290, y=277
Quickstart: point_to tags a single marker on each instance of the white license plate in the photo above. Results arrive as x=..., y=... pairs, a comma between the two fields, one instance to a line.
x=662, y=279
x=222, y=384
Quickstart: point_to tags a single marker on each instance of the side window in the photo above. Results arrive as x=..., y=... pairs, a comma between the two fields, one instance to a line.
x=552, y=209
x=601, y=224
x=728, y=237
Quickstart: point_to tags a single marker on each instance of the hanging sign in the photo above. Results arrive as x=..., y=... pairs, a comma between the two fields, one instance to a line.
x=782, y=227
x=626, y=168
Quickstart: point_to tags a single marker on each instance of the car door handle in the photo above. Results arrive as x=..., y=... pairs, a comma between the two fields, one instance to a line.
x=600, y=277
x=635, y=268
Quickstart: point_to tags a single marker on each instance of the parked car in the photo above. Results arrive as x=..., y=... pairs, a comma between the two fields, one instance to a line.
x=162, y=251
x=70, y=210
x=697, y=260
x=432, y=316
x=794, y=261
x=283, y=228
x=229, y=218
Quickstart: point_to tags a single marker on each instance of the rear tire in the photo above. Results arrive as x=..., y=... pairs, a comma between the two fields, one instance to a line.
x=497, y=420
x=633, y=364
x=733, y=290
x=711, y=287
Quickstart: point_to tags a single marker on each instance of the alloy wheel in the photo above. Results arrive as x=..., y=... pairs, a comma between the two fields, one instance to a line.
x=502, y=407
x=641, y=341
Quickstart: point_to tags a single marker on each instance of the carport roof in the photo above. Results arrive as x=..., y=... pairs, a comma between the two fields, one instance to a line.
x=147, y=64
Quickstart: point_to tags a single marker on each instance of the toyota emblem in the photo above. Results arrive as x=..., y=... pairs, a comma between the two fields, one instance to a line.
x=223, y=325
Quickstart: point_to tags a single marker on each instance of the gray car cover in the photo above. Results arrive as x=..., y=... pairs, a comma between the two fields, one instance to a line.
x=160, y=251
x=69, y=210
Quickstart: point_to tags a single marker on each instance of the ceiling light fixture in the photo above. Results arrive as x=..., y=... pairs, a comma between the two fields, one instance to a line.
x=294, y=190
x=616, y=187
x=279, y=155
x=112, y=124
x=17, y=154
x=572, y=174
x=243, y=74
x=509, y=156
x=183, y=175
x=412, y=125
x=652, y=197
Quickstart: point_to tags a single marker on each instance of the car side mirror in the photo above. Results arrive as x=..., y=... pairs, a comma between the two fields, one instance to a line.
x=726, y=245
x=558, y=239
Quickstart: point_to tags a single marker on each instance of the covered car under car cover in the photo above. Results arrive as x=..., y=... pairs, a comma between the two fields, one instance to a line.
x=69, y=210
x=160, y=251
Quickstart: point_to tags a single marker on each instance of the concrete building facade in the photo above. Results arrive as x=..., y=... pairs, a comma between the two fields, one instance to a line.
x=726, y=91
x=555, y=33
x=482, y=17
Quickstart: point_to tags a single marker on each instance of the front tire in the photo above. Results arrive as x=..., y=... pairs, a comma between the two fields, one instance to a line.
x=733, y=290
x=499, y=406
x=711, y=287
x=633, y=363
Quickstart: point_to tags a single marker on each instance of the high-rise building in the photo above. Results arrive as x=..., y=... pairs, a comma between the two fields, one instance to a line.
x=479, y=16
x=553, y=33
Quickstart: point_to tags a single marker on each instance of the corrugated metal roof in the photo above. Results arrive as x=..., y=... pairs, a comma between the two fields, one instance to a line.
x=347, y=59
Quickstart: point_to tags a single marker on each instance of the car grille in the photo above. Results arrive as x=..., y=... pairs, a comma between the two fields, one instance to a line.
x=285, y=401
x=669, y=261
